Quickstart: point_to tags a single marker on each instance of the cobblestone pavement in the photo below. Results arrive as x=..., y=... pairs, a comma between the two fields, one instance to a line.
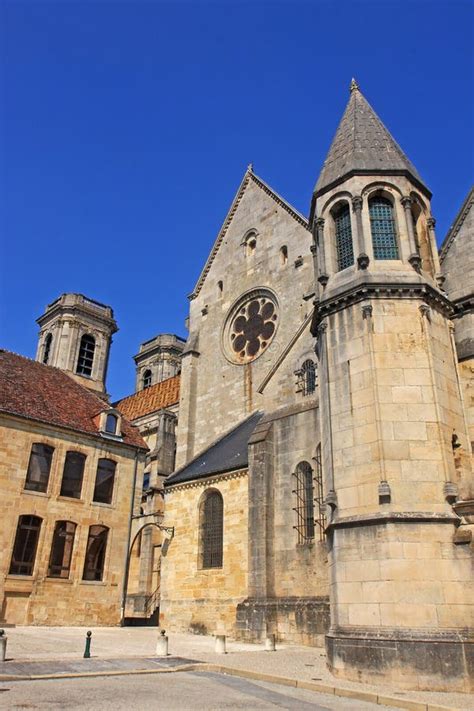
x=304, y=663
x=180, y=692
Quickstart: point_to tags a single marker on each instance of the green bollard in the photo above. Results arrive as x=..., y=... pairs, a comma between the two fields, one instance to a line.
x=87, y=651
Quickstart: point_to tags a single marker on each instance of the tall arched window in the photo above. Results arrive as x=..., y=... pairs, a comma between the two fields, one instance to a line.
x=382, y=227
x=95, y=553
x=344, y=248
x=212, y=529
x=304, y=508
x=26, y=543
x=308, y=374
x=61, y=549
x=86, y=355
x=146, y=379
x=47, y=348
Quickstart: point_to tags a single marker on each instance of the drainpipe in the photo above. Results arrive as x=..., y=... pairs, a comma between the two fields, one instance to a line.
x=127, y=552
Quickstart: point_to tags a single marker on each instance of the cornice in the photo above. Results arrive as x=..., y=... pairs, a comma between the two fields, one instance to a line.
x=405, y=517
x=381, y=290
x=206, y=481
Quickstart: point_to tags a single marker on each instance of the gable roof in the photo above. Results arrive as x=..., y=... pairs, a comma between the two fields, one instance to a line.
x=229, y=453
x=249, y=176
x=156, y=397
x=40, y=392
x=457, y=224
x=363, y=145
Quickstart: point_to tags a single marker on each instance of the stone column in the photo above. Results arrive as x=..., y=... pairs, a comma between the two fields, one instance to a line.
x=414, y=258
x=431, y=222
x=359, y=242
x=322, y=261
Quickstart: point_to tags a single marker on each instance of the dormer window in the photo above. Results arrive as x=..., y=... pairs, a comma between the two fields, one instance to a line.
x=146, y=379
x=110, y=423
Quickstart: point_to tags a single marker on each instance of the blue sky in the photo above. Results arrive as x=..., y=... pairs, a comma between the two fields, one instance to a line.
x=125, y=129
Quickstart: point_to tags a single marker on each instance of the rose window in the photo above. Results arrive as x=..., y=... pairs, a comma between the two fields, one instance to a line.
x=252, y=328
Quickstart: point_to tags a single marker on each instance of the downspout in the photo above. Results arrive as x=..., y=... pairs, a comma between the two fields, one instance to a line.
x=127, y=551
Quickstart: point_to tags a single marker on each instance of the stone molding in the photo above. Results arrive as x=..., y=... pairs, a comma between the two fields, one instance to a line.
x=213, y=479
x=377, y=519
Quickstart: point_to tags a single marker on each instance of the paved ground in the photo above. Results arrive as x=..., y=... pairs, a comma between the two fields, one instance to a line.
x=178, y=692
x=303, y=663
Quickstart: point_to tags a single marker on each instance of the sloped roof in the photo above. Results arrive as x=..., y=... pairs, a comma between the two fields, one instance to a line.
x=249, y=176
x=151, y=399
x=362, y=144
x=226, y=454
x=40, y=392
x=457, y=224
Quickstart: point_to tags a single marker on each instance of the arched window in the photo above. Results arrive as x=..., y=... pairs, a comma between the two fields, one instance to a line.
x=146, y=379
x=111, y=423
x=283, y=255
x=212, y=529
x=61, y=549
x=39, y=466
x=308, y=374
x=220, y=287
x=86, y=355
x=26, y=543
x=73, y=472
x=382, y=227
x=95, y=553
x=47, y=348
x=250, y=242
x=344, y=248
x=304, y=508
x=104, y=481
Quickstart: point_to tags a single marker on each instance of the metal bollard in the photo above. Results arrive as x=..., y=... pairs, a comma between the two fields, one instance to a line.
x=3, y=645
x=87, y=651
x=220, y=644
x=162, y=645
x=270, y=643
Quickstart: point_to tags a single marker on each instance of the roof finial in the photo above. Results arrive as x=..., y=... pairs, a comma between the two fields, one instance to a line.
x=354, y=85
x=250, y=167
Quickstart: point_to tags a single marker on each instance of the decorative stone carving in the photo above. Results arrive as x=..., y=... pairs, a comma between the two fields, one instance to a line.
x=363, y=261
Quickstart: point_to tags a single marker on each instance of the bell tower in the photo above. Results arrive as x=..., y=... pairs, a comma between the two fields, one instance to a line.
x=390, y=406
x=75, y=335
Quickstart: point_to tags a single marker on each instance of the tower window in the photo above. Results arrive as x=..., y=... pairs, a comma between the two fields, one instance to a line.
x=104, y=481
x=26, y=543
x=382, y=226
x=344, y=248
x=220, y=287
x=304, y=492
x=283, y=255
x=39, y=467
x=86, y=355
x=61, y=549
x=47, y=348
x=308, y=374
x=95, y=553
x=212, y=530
x=146, y=379
x=73, y=473
x=250, y=242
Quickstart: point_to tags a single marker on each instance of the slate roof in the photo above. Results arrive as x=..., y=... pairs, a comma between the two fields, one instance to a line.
x=362, y=144
x=226, y=454
x=151, y=399
x=40, y=392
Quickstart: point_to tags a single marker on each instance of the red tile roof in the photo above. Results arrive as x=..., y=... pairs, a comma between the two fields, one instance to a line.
x=40, y=392
x=151, y=399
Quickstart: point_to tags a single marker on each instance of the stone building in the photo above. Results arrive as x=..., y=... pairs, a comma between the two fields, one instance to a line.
x=71, y=472
x=323, y=486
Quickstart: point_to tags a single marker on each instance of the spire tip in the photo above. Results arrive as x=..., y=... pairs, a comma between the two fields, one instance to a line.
x=354, y=85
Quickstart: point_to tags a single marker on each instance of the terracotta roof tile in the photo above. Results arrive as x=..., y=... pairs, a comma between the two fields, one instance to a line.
x=46, y=394
x=151, y=399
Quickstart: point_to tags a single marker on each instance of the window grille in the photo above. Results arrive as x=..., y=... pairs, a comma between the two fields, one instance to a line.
x=146, y=379
x=319, y=494
x=86, y=355
x=24, y=548
x=73, y=472
x=39, y=466
x=104, y=481
x=304, y=508
x=382, y=226
x=344, y=248
x=47, y=348
x=61, y=549
x=308, y=370
x=212, y=529
x=95, y=553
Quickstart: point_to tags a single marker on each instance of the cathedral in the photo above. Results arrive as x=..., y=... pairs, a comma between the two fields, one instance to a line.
x=308, y=471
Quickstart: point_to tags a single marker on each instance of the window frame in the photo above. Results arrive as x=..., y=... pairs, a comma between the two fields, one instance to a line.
x=343, y=238
x=69, y=455
x=47, y=348
x=69, y=537
x=93, y=573
x=383, y=199
x=28, y=479
x=86, y=355
x=99, y=484
x=211, y=531
x=308, y=377
x=146, y=379
x=22, y=525
x=304, y=495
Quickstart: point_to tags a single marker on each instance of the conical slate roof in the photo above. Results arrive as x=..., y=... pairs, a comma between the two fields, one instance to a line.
x=362, y=145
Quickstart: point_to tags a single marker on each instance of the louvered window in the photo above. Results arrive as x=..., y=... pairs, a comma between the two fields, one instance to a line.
x=212, y=530
x=344, y=248
x=86, y=355
x=382, y=226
